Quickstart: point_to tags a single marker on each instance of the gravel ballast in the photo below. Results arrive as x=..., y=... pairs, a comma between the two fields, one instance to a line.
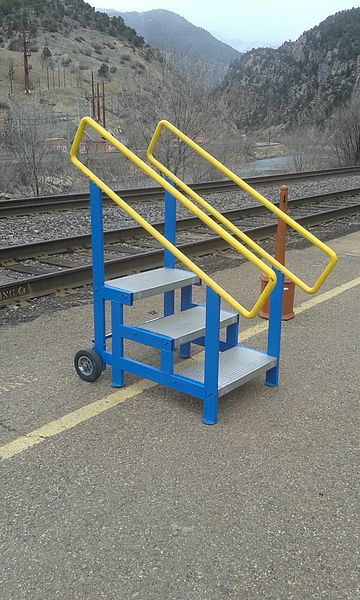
x=26, y=229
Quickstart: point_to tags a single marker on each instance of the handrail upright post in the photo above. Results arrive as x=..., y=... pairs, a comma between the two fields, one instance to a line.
x=274, y=331
x=98, y=268
x=211, y=366
x=170, y=234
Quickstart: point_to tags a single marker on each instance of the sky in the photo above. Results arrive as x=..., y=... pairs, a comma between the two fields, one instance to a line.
x=260, y=21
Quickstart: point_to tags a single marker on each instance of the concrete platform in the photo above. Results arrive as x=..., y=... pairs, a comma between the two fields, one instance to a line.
x=125, y=494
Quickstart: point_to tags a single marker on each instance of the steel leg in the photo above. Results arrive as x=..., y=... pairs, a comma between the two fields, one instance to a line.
x=274, y=331
x=211, y=368
x=97, y=234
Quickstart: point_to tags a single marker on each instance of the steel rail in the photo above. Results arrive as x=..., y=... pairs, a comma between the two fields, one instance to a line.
x=23, y=206
x=42, y=285
x=60, y=245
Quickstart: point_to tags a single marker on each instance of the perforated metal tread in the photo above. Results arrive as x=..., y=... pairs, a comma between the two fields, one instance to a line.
x=187, y=325
x=156, y=281
x=236, y=366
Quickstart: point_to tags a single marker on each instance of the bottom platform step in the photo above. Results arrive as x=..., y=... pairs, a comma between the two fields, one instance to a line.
x=236, y=366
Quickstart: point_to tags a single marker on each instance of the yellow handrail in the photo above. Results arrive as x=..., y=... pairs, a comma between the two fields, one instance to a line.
x=158, y=236
x=247, y=188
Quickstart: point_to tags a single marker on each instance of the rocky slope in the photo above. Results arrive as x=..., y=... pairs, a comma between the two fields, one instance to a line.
x=301, y=81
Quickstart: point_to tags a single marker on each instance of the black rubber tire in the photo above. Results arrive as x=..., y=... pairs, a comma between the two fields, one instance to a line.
x=88, y=365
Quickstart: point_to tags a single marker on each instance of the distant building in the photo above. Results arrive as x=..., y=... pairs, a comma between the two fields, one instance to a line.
x=94, y=142
x=57, y=144
x=199, y=140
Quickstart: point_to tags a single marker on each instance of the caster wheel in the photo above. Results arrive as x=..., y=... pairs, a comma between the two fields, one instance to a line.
x=88, y=365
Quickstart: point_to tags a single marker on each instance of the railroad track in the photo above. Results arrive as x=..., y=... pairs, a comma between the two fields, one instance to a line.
x=46, y=267
x=23, y=206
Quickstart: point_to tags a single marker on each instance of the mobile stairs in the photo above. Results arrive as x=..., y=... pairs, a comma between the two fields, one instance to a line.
x=224, y=364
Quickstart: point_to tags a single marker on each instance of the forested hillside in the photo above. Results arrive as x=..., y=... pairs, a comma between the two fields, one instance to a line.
x=60, y=16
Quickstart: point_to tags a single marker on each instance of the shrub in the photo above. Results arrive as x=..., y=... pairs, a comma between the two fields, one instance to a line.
x=148, y=55
x=15, y=44
x=66, y=60
x=103, y=71
x=46, y=53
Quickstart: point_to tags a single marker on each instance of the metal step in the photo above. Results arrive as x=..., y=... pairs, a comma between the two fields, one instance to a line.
x=236, y=366
x=157, y=281
x=187, y=325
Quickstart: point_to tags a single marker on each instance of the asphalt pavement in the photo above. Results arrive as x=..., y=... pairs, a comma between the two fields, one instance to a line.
x=140, y=500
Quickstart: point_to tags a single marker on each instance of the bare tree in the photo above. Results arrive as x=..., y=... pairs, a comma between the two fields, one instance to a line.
x=307, y=147
x=181, y=90
x=111, y=167
x=24, y=141
x=345, y=133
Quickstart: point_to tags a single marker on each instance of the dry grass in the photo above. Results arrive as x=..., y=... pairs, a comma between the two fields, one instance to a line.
x=86, y=50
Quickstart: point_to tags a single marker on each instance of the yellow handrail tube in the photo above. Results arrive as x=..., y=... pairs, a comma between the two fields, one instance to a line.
x=188, y=204
x=247, y=188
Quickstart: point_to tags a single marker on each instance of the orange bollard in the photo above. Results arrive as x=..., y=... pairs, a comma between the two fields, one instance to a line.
x=280, y=245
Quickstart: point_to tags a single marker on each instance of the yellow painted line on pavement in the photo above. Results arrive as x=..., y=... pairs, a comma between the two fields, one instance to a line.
x=71, y=420
x=327, y=295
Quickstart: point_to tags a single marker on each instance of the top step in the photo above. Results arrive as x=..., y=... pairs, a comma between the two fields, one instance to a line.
x=156, y=281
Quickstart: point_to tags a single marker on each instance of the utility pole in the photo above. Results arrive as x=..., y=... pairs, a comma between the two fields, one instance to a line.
x=103, y=104
x=98, y=101
x=11, y=76
x=27, y=55
x=92, y=95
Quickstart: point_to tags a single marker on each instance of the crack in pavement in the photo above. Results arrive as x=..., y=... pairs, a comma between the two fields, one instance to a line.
x=9, y=428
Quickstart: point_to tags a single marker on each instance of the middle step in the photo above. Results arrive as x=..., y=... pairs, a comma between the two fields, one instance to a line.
x=187, y=325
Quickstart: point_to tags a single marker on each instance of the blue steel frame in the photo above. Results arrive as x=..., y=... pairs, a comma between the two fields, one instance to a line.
x=98, y=269
x=274, y=330
x=206, y=391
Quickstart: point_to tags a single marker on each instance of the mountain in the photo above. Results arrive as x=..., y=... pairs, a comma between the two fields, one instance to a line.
x=301, y=81
x=166, y=30
x=242, y=45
